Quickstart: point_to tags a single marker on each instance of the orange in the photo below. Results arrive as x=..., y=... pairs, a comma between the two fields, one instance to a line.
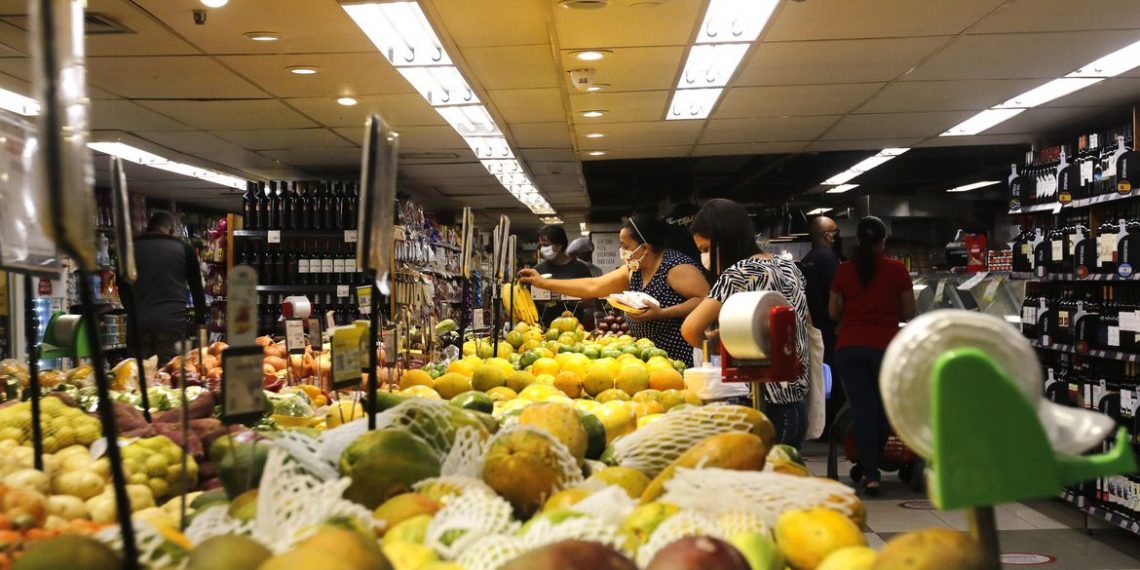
x=666, y=379
x=545, y=366
x=569, y=383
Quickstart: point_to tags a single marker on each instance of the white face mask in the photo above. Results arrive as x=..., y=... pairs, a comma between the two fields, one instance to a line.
x=547, y=252
x=627, y=258
x=706, y=260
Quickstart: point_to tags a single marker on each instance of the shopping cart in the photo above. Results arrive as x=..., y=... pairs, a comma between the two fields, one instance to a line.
x=896, y=455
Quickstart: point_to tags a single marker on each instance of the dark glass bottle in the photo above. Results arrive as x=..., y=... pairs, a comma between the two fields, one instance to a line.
x=352, y=210
x=249, y=206
x=286, y=206
x=262, y=207
x=274, y=206
x=304, y=207
x=332, y=207
x=319, y=203
x=293, y=208
x=327, y=265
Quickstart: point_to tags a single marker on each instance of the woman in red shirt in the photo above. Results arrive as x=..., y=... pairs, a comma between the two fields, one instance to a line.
x=870, y=296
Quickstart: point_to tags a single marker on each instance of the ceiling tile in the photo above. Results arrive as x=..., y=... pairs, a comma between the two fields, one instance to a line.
x=839, y=61
x=529, y=105
x=339, y=74
x=323, y=157
x=846, y=19
x=632, y=69
x=481, y=190
x=748, y=148
x=1022, y=56
x=622, y=107
x=128, y=116
x=540, y=135
x=192, y=142
x=493, y=22
x=769, y=129
x=895, y=125
x=306, y=27
x=965, y=95
x=277, y=139
x=397, y=111
x=869, y=144
x=631, y=135
x=515, y=67
x=219, y=115
x=669, y=24
x=793, y=100
x=978, y=140
x=541, y=168
x=547, y=154
x=1060, y=15
x=462, y=170
x=179, y=77
x=147, y=37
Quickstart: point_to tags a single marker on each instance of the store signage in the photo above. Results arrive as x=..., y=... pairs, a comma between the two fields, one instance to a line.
x=1026, y=559
x=349, y=236
x=346, y=357
x=315, y=336
x=241, y=306
x=606, y=248
x=274, y=236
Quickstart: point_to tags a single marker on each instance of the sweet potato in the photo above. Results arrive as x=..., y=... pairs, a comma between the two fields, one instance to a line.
x=217, y=348
x=128, y=418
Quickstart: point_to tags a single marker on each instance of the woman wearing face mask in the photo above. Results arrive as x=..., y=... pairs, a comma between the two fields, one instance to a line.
x=647, y=266
x=726, y=238
x=556, y=263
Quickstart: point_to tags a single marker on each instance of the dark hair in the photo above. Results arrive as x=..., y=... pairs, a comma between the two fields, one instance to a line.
x=556, y=234
x=730, y=230
x=647, y=229
x=160, y=221
x=870, y=232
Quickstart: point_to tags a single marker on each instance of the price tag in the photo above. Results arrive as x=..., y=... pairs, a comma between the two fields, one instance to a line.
x=315, y=336
x=938, y=290
x=991, y=289
x=477, y=318
x=349, y=236
x=366, y=344
x=346, y=357
x=364, y=299
x=274, y=236
x=1114, y=336
x=241, y=312
x=295, y=336
x=973, y=281
x=243, y=395
x=342, y=290
x=539, y=294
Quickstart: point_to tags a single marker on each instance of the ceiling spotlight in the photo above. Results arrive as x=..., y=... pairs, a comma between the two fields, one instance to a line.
x=595, y=135
x=303, y=70
x=592, y=54
x=593, y=114
x=347, y=101
x=597, y=153
x=263, y=36
x=215, y=3
x=597, y=87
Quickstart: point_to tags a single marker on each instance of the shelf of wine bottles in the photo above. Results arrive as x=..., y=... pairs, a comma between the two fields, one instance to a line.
x=1088, y=171
x=344, y=309
x=300, y=205
x=300, y=264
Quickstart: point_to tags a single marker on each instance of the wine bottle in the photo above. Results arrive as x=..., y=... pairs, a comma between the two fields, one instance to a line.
x=262, y=207
x=286, y=206
x=249, y=206
x=302, y=277
x=332, y=204
x=338, y=267
x=327, y=265
x=304, y=207
x=353, y=211
x=274, y=206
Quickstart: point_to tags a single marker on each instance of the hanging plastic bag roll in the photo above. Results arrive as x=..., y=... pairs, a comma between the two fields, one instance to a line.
x=744, y=323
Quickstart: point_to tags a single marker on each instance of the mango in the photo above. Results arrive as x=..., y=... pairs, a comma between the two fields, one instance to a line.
x=735, y=450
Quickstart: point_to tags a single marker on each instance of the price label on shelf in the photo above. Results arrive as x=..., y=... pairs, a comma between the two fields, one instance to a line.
x=991, y=289
x=539, y=294
x=938, y=290
x=364, y=299
x=349, y=236
x=243, y=395
x=274, y=236
x=295, y=336
x=346, y=357
x=477, y=318
x=342, y=290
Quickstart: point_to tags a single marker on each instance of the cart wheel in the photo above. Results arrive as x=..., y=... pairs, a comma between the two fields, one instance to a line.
x=918, y=481
x=906, y=472
x=856, y=473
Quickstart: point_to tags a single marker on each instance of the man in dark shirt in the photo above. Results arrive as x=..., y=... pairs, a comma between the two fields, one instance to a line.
x=552, y=244
x=167, y=267
x=819, y=267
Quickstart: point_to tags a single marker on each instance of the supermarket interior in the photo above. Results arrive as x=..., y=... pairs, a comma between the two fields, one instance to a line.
x=569, y=284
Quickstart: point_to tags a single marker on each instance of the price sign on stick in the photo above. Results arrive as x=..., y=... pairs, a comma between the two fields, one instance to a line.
x=315, y=335
x=346, y=357
x=295, y=336
x=477, y=318
x=241, y=307
x=243, y=395
x=364, y=299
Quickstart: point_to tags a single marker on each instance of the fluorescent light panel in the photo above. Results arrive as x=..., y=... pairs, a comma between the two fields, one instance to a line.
x=401, y=31
x=817, y=212
x=19, y=104
x=883, y=156
x=1111, y=65
x=842, y=188
x=974, y=186
x=441, y=85
x=689, y=104
x=734, y=21
x=139, y=156
x=490, y=148
x=711, y=65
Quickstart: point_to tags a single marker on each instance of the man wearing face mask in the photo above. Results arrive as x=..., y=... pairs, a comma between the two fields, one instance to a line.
x=819, y=267
x=648, y=266
x=552, y=245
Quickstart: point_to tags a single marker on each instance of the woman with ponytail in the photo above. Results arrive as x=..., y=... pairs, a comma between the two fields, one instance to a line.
x=870, y=296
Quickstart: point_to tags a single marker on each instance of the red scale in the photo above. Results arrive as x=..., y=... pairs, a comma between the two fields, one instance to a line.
x=760, y=328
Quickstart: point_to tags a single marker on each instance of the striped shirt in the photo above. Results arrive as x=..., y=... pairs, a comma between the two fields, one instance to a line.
x=783, y=277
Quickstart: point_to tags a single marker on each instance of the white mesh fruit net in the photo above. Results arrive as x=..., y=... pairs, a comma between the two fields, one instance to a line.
x=155, y=552
x=543, y=531
x=491, y=552
x=465, y=459
x=652, y=448
x=570, y=471
x=214, y=521
x=683, y=524
x=610, y=504
x=305, y=450
x=467, y=519
x=764, y=495
x=430, y=420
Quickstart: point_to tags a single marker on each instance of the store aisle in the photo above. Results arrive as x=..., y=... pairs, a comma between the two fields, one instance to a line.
x=1047, y=534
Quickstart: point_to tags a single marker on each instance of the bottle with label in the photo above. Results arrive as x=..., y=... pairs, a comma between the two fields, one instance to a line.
x=302, y=276
x=332, y=207
x=249, y=206
x=352, y=211
x=1014, y=181
x=318, y=203
x=274, y=205
x=287, y=211
x=328, y=265
x=304, y=207
x=262, y=207
x=339, y=272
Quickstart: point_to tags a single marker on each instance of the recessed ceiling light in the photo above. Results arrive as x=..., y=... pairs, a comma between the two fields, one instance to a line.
x=215, y=3
x=595, y=135
x=263, y=36
x=593, y=114
x=597, y=87
x=347, y=101
x=597, y=153
x=842, y=188
x=592, y=54
x=303, y=70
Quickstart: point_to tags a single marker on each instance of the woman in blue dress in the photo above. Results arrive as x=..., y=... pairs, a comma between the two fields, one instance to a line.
x=670, y=277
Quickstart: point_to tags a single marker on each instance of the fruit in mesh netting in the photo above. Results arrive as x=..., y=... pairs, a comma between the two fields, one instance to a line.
x=63, y=425
x=565, y=499
x=734, y=450
x=640, y=524
x=704, y=552
x=931, y=549
x=228, y=551
x=69, y=551
x=572, y=555
x=807, y=537
x=403, y=507
x=524, y=468
x=561, y=422
x=631, y=480
x=385, y=463
x=851, y=558
x=157, y=463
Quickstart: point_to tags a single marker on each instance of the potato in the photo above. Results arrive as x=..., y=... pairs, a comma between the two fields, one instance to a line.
x=276, y=362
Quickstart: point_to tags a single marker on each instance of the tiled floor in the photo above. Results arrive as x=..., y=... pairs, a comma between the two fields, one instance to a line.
x=1049, y=527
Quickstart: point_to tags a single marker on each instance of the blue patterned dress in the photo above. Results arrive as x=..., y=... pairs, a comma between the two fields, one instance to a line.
x=665, y=334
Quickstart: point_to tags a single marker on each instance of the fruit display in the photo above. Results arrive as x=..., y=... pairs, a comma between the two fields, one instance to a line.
x=524, y=309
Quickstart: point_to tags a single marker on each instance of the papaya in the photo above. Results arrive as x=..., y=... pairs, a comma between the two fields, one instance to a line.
x=69, y=551
x=738, y=451
x=561, y=422
x=386, y=463
x=522, y=468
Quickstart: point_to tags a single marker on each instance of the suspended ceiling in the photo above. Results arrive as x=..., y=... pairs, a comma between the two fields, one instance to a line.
x=827, y=75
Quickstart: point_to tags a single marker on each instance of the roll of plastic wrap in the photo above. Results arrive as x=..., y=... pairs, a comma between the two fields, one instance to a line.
x=905, y=379
x=705, y=382
x=744, y=323
x=65, y=329
x=299, y=305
